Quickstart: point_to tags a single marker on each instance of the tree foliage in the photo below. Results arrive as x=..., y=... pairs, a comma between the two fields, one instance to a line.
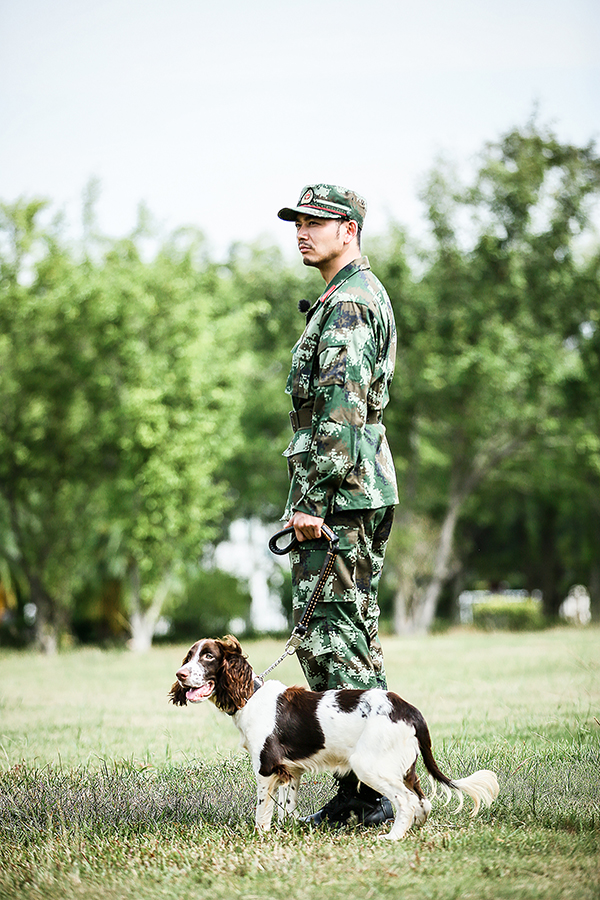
x=491, y=340
x=143, y=403
x=119, y=382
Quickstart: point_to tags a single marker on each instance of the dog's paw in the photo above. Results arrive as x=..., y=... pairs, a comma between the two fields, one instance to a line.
x=392, y=835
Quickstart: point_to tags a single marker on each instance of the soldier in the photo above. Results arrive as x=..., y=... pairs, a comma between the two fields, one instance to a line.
x=340, y=466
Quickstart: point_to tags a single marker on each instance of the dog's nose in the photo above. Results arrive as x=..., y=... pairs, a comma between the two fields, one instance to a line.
x=181, y=675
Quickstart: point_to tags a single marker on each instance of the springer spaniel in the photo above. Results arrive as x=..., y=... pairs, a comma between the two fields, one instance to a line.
x=290, y=730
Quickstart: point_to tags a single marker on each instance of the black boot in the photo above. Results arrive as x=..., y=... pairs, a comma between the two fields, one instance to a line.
x=366, y=805
x=376, y=809
x=337, y=810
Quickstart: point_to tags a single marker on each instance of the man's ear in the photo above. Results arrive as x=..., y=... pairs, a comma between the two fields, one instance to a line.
x=351, y=231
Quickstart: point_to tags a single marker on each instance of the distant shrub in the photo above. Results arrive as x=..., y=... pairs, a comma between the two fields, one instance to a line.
x=501, y=614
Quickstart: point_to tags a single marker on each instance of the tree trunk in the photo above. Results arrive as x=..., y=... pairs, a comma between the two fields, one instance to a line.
x=50, y=619
x=402, y=622
x=46, y=628
x=442, y=567
x=142, y=624
x=142, y=620
x=594, y=591
x=550, y=569
x=414, y=614
x=411, y=555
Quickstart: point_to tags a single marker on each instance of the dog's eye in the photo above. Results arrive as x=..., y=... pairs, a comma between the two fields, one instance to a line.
x=208, y=655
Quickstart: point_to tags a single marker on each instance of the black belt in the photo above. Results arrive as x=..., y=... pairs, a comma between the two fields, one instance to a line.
x=302, y=418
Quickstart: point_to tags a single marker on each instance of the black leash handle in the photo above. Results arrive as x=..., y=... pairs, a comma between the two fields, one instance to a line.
x=301, y=628
x=294, y=542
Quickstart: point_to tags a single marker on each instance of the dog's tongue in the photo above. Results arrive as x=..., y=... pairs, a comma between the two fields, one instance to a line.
x=200, y=693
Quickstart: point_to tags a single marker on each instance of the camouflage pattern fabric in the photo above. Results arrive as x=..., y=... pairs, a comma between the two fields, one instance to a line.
x=341, y=368
x=341, y=470
x=341, y=648
x=328, y=201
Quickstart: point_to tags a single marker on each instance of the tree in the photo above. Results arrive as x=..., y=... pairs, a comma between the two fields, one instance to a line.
x=48, y=434
x=485, y=354
x=541, y=523
x=119, y=382
x=177, y=369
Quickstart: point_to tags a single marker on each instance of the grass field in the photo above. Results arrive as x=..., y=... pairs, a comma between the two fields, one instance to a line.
x=108, y=791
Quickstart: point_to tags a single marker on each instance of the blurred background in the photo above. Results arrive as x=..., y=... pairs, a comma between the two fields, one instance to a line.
x=148, y=304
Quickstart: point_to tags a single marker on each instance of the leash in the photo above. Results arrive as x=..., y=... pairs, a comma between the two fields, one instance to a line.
x=297, y=635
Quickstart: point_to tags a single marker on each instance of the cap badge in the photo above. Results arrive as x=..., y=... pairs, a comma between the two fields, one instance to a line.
x=306, y=197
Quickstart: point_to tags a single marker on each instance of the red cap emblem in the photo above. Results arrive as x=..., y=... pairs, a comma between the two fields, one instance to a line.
x=307, y=197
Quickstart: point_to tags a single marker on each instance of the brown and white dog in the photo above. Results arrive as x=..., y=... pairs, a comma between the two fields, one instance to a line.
x=290, y=730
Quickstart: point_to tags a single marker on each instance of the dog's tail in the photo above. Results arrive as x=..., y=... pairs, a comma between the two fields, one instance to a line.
x=481, y=787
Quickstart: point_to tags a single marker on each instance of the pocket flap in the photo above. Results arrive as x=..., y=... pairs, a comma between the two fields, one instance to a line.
x=300, y=442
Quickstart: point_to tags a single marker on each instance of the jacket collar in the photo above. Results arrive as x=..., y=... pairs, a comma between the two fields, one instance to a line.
x=357, y=265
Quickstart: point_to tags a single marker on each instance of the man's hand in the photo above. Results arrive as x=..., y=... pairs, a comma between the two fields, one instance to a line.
x=306, y=528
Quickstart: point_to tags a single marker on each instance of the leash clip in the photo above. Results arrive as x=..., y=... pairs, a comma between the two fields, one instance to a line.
x=295, y=639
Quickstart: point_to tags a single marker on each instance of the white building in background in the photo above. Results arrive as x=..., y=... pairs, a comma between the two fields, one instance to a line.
x=246, y=555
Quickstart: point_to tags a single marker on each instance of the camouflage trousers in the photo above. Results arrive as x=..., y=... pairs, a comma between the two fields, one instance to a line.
x=341, y=647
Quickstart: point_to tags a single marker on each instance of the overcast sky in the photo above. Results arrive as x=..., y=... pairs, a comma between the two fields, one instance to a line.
x=215, y=113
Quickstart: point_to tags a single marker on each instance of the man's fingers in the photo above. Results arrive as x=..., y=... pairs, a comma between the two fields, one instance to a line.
x=306, y=528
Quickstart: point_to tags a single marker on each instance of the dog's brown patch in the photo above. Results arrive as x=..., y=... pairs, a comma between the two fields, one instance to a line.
x=298, y=734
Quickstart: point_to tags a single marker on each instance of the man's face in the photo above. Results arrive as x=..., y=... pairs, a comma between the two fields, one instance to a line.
x=320, y=240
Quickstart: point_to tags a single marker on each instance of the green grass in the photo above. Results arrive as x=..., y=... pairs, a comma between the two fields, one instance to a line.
x=107, y=790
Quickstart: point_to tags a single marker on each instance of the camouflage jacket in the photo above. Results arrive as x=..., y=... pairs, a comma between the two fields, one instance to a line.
x=342, y=367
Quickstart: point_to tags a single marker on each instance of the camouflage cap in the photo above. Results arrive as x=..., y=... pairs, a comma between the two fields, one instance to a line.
x=327, y=201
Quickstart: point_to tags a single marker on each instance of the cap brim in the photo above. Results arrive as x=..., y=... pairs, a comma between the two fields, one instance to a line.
x=290, y=213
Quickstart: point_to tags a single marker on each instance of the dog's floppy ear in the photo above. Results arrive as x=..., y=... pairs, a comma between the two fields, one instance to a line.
x=234, y=685
x=177, y=695
x=230, y=644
